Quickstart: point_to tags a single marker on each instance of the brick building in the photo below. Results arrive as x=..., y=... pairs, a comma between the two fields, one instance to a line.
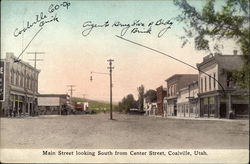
x=174, y=84
x=20, y=88
x=160, y=93
x=218, y=93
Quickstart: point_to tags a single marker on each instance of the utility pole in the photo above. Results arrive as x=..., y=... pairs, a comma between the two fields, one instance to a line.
x=110, y=74
x=71, y=92
x=35, y=60
x=83, y=96
x=71, y=89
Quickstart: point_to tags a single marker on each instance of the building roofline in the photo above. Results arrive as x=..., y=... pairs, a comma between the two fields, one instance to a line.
x=215, y=58
x=51, y=95
x=180, y=75
x=186, y=87
x=11, y=55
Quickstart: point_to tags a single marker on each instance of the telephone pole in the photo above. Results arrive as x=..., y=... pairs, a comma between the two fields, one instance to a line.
x=35, y=60
x=71, y=92
x=110, y=74
x=71, y=89
x=83, y=96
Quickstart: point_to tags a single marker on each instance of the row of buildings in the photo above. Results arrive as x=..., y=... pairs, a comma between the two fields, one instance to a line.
x=211, y=92
x=19, y=91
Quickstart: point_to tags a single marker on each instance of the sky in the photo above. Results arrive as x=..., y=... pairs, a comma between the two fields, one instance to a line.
x=69, y=56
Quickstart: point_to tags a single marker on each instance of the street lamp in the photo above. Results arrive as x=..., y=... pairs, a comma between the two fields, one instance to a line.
x=110, y=75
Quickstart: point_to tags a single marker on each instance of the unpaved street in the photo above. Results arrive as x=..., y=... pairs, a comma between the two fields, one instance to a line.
x=127, y=131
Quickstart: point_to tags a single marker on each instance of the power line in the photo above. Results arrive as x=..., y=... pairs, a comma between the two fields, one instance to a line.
x=17, y=60
x=172, y=58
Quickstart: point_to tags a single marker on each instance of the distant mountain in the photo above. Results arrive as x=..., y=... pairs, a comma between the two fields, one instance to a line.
x=94, y=104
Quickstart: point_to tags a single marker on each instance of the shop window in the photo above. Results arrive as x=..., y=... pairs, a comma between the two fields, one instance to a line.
x=191, y=109
x=187, y=108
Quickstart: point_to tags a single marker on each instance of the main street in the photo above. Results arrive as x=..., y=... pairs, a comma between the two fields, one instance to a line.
x=125, y=132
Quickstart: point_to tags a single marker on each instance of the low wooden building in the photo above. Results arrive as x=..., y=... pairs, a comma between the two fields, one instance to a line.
x=49, y=104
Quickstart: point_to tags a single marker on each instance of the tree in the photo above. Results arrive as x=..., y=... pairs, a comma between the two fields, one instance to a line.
x=140, y=90
x=127, y=103
x=151, y=96
x=212, y=24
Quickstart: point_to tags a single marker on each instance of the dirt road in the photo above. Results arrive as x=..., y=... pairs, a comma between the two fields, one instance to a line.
x=126, y=132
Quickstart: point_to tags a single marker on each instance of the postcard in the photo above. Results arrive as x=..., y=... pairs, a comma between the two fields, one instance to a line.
x=124, y=81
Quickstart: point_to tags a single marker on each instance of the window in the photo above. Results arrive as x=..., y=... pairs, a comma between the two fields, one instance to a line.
x=201, y=85
x=17, y=79
x=209, y=82
x=230, y=81
x=12, y=77
x=25, y=82
x=28, y=82
x=214, y=81
x=21, y=80
x=205, y=84
x=175, y=89
x=31, y=84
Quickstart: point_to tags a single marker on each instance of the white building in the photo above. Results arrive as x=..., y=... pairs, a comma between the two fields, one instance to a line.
x=149, y=107
x=187, y=101
x=219, y=94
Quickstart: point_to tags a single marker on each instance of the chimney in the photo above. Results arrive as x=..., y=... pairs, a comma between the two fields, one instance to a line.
x=235, y=52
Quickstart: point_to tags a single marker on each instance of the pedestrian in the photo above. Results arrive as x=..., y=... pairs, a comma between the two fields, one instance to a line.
x=10, y=112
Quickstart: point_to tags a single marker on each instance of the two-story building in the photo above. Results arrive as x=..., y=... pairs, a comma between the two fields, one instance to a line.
x=187, y=101
x=20, y=87
x=174, y=84
x=218, y=93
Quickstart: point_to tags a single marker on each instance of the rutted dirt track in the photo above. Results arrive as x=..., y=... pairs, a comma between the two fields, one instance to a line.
x=125, y=132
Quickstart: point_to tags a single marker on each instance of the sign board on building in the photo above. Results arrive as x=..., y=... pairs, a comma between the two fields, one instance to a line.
x=2, y=80
x=48, y=101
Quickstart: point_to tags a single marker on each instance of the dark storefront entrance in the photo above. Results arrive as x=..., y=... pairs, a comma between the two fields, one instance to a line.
x=223, y=110
x=208, y=107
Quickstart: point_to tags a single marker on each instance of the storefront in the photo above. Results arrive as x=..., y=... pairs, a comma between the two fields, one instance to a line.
x=227, y=105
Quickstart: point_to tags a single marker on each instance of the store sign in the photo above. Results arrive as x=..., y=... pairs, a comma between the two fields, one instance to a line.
x=2, y=77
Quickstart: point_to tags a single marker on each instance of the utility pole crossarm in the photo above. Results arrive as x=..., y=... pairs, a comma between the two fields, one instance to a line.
x=35, y=58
